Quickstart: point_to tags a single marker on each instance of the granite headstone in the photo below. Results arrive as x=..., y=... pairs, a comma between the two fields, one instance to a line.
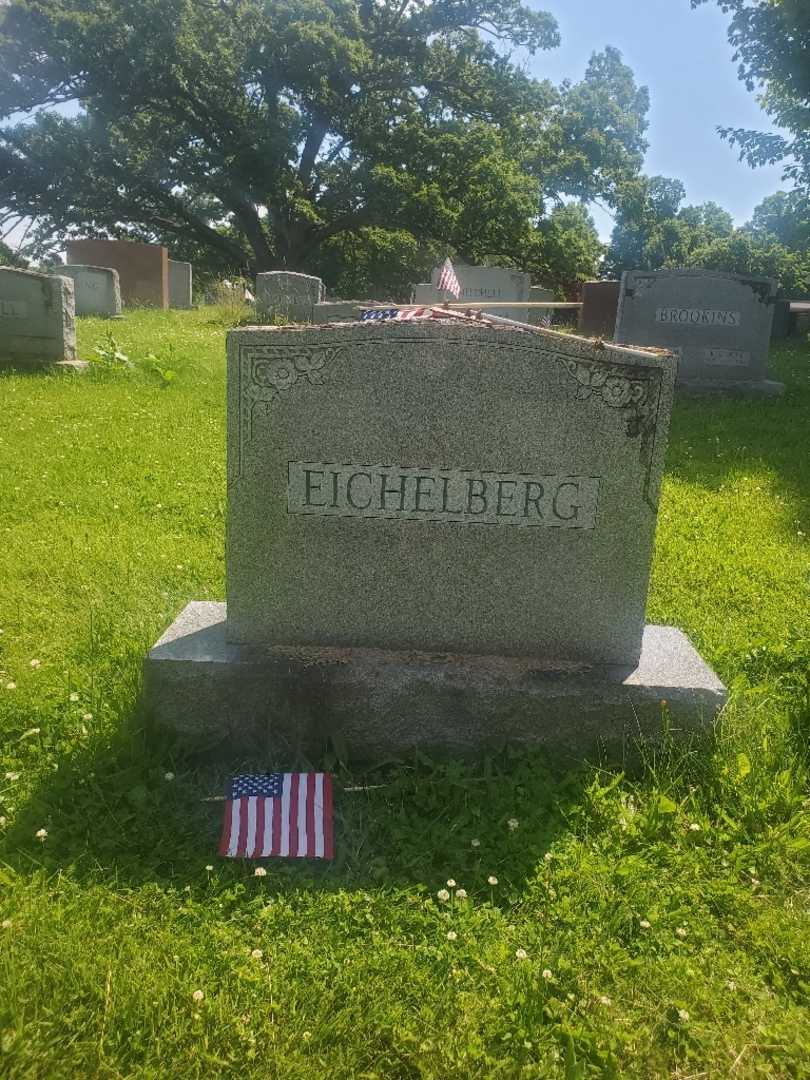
x=439, y=534
x=97, y=290
x=482, y=283
x=717, y=324
x=179, y=284
x=600, y=302
x=37, y=319
x=288, y=296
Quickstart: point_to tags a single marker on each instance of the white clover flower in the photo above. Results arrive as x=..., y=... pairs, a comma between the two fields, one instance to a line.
x=34, y=664
x=256, y=954
x=168, y=776
x=451, y=935
x=492, y=880
x=443, y=894
x=694, y=827
x=680, y=932
x=87, y=717
x=731, y=985
x=209, y=868
x=12, y=776
x=683, y=1016
x=2, y=821
x=605, y=1000
x=11, y=686
x=461, y=894
x=306, y=1035
x=644, y=924
x=475, y=843
x=548, y=856
x=546, y=973
x=41, y=835
x=74, y=696
x=451, y=884
x=755, y=882
x=6, y=924
x=521, y=954
x=198, y=995
x=513, y=823
x=260, y=872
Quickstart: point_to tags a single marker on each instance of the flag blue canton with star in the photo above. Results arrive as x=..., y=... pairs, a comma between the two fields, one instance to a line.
x=244, y=785
x=378, y=313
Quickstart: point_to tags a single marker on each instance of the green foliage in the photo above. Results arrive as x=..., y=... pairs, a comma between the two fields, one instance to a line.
x=771, y=39
x=11, y=258
x=663, y=912
x=785, y=217
x=256, y=134
x=742, y=253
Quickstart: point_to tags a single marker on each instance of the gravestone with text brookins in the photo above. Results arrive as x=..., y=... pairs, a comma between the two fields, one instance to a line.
x=717, y=324
x=439, y=535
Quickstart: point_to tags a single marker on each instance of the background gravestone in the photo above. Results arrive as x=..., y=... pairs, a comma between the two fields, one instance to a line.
x=539, y=316
x=179, y=284
x=438, y=535
x=482, y=283
x=37, y=324
x=97, y=290
x=287, y=295
x=718, y=324
x=600, y=302
x=143, y=269
x=338, y=310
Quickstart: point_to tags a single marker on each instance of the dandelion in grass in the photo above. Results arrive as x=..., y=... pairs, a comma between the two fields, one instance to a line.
x=197, y=996
x=74, y=696
x=683, y=1016
x=34, y=664
x=260, y=872
x=513, y=824
x=443, y=895
x=521, y=954
x=451, y=935
x=645, y=924
x=256, y=954
x=41, y=835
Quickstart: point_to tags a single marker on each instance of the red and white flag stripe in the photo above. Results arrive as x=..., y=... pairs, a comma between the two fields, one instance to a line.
x=298, y=823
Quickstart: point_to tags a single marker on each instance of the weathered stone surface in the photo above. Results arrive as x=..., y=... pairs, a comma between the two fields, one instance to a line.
x=381, y=703
x=719, y=325
x=441, y=486
x=180, y=274
x=97, y=289
x=337, y=310
x=37, y=323
x=143, y=269
x=600, y=302
x=288, y=296
x=782, y=320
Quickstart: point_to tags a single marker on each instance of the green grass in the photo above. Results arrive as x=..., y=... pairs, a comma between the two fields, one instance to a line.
x=112, y=504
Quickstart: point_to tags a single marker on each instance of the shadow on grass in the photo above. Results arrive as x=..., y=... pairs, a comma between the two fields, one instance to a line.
x=112, y=816
x=711, y=441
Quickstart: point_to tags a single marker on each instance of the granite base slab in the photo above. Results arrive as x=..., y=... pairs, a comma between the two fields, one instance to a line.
x=379, y=703
x=759, y=388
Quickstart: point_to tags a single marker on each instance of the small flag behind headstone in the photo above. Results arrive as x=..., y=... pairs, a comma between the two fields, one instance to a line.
x=448, y=281
x=288, y=815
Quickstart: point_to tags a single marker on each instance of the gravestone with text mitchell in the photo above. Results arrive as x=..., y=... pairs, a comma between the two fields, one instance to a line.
x=439, y=534
x=97, y=291
x=37, y=319
x=717, y=324
x=479, y=284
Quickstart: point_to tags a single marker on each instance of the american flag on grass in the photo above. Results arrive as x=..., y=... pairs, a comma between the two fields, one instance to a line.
x=378, y=314
x=283, y=814
x=448, y=280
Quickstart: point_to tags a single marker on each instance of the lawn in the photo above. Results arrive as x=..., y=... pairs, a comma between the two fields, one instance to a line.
x=655, y=924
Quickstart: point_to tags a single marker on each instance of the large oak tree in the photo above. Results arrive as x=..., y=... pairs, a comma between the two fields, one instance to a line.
x=262, y=133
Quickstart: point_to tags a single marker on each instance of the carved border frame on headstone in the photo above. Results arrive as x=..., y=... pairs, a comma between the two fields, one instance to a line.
x=266, y=372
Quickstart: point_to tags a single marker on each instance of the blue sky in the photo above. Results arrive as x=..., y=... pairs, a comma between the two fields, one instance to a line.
x=684, y=58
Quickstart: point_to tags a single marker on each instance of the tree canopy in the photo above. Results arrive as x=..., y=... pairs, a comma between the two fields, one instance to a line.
x=284, y=133
x=771, y=40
